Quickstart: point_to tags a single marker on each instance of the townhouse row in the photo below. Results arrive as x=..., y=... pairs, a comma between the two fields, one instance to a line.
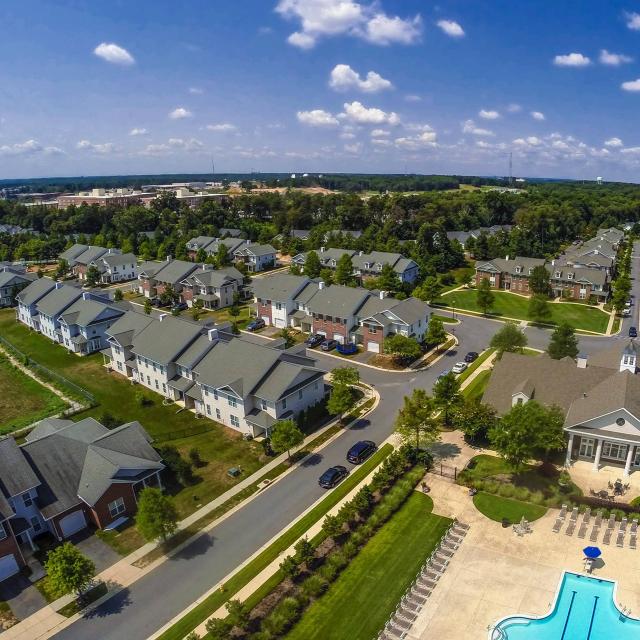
x=67, y=476
x=256, y=257
x=346, y=314
x=206, y=369
x=112, y=264
x=365, y=265
x=13, y=279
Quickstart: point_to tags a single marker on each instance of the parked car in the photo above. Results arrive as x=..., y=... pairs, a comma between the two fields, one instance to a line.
x=442, y=375
x=459, y=367
x=626, y=313
x=256, y=324
x=633, y=332
x=155, y=302
x=471, y=357
x=314, y=340
x=328, y=345
x=179, y=306
x=332, y=476
x=360, y=451
x=629, y=303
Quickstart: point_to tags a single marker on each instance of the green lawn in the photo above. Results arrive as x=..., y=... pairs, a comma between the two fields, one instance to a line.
x=200, y=613
x=220, y=447
x=483, y=357
x=477, y=387
x=496, y=508
x=361, y=600
x=510, y=305
x=23, y=400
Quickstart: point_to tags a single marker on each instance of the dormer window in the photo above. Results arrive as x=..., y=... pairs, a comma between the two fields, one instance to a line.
x=569, y=276
x=530, y=271
x=518, y=269
x=557, y=274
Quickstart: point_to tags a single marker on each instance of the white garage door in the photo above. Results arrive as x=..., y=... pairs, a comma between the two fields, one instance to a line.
x=373, y=347
x=266, y=320
x=339, y=337
x=72, y=523
x=279, y=322
x=8, y=566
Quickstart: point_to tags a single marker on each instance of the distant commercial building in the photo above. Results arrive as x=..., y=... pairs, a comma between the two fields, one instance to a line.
x=104, y=197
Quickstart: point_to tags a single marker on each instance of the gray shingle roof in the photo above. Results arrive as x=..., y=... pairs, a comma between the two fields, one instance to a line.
x=90, y=254
x=279, y=287
x=510, y=266
x=410, y=310
x=256, y=250
x=16, y=476
x=210, y=277
x=339, y=301
x=578, y=274
x=175, y=271
x=84, y=312
x=199, y=242
x=117, y=259
x=35, y=291
x=163, y=341
x=73, y=252
x=57, y=300
x=129, y=325
x=10, y=278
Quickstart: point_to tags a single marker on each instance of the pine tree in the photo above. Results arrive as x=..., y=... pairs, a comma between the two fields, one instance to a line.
x=563, y=342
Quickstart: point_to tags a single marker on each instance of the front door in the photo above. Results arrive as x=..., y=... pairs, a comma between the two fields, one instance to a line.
x=587, y=447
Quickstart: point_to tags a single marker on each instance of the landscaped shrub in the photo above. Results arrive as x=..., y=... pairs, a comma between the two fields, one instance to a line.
x=314, y=586
x=328, y=572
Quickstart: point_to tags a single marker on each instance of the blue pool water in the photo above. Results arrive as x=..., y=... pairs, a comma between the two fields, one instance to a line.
x=584, y=610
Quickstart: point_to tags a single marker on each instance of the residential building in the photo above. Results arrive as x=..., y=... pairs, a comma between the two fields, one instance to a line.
x=591, y=261
x=89, y=257
x=29, y=297
x=509, y=274
x=68, y=476
x=580, y=283
x=215, y=287
x=51, y=306
x=230, y=232
x=70, y=254
x=463, y=236
x=156, y=277
x=116, y=267
x=210, y=245
x=275, y=298
x=599, y=396
x=256, y=257
x=12, y=281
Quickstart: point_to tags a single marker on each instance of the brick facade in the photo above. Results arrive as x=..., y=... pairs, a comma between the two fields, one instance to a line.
x=369, y=335
x=264, y=311
x=186, y=295
x=99, y=513
x=562, y=288
x=330, y=328
x=10, y=546
x=482, y=275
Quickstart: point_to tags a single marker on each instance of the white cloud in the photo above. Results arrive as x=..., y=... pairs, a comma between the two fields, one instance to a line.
x=613, y=143
x=329, y=18
x=180, y=113
x=631, y=150
x=343, y=78
x=631, y=85
x=317, y=118
x=613, y=59
x=514, y=108
x=451, y=28
x=357, y=112
x=114, y=54
x=572, y=60
x=196, y=91
x=191, y=144
x=381, y=142
x=28, y=147
x=469, y=126
x=489, y=114
x=347, y=135
x=412, y=97
x=531, y=141
x=537, y=115
x=103, y=148
x=353, y=148
x=379, y=133
x=633, y=21
x=136, y=131
x=424, y=140
x=173, y=144
x=224, y=127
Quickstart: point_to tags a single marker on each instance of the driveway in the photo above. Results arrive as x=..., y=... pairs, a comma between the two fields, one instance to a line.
x=90, y=545
x=23, y=598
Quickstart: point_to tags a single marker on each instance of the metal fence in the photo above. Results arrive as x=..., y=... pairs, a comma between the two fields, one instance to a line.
x=445, y=470
x=48, y=374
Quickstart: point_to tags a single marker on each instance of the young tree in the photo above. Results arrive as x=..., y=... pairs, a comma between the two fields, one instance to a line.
x=223, y=259
x=305, y=551
x=147, y=306
x=332, y=526
x=402, y=347
x=436, y=333
x=340, y=401
x=288, y=338
x=201, y=255
x=345, y=375
x=312, y=265
x=540, y=281
x=466, y=277
x=474, y=418
x=416, y=421
x=238, y=614
x=168, y=296
x=118, y=295
x=539, y=310
x=62, y=269
x=446, y=395
x=563, y=342
x=92, y=276
x=429, y=290
x=218, y=628
x=196, y=309
x=157, y=517
x=344, y=270
x=484, y=296
x=388, y=279
x=285, y=435
x=68, y=570
x=326, y=275
x=290, y=567
x=294, y=269
x=509, y=338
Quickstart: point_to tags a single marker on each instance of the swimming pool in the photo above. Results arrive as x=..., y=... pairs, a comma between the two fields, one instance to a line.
x=585, y=609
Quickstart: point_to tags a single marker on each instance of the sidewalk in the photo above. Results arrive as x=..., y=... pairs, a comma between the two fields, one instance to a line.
x=47, y=622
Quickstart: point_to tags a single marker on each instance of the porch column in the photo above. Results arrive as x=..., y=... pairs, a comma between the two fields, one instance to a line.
x=159, y=481
x=596, y=462
x=567, y=460
x=627, y=464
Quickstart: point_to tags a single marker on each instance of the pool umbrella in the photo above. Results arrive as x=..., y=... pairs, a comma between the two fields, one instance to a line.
x=592, y=552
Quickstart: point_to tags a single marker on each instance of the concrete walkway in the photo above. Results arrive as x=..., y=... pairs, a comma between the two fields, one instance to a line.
x=47, y=622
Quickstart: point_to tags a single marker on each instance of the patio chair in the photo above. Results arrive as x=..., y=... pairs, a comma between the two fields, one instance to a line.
x=594, y=534
x=623, y=525
x=587, y=515
x=634, y=526
x=557, y=525
x=563, y=512
x=607, y=536
x=570, y=527
x=620, y=539
x=574, y=514
x=632, y=541
x=598, y=521
x=612, y=522
x=582, y=532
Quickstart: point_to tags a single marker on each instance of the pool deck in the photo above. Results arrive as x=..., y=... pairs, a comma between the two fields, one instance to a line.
x=495, y=573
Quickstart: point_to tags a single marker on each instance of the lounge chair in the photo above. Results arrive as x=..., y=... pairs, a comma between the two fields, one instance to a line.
x=574, y=514
x=607, y=536
x=620, y=540
x=598, y=521
x=587, y=515
x=634, y=526
x=594, y=534
x=557, y=525
x=571, y=527
x=623, y=524
x=563, y=512
x=612, y=522
x=582, y=532
x=632, y=541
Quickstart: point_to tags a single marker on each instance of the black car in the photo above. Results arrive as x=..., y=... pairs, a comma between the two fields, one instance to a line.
x=180, y=306
x=256, y=324
x=332, y=476
x=314, y=340
x=328, y=345
x=155, y=302
x=633, y=332
x=471, y=356
x=360, y=451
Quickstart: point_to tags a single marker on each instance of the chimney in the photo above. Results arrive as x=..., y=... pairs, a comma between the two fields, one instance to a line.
x=162, y=316
x=86, y=295
x=321, y=249
x=59, y=285
x=360, y=253
x=320, y=285
x=169, y=258
x=383, y=295
x=553, y=263
x=507, y=258
x=581, y=360
x=212, y=334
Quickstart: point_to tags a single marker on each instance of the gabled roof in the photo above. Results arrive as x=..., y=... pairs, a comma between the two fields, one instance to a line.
x=210, y=277
x=174, y=271
x=307, y=292
x=279, y=287
x=129, y=325
x=195, y=352
x=117, y=259
x=200, y=242
x=73, y=252
x=16, y=476
x=9, y=278
x=35, y=291
x=84, y=312
x=511, y=266
x=339, y=301
x=410, y=310
x=57, y=300
x=163, y=340
x=230, y=232
x=150, y=268
x=90, y=254
x=257, y=250
x=578, y=274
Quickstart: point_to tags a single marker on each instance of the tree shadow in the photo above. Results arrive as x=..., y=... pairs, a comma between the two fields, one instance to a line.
x=360, y=424
x=313, y=460
x=201, y=545
x=444, y=450
x=113, y=606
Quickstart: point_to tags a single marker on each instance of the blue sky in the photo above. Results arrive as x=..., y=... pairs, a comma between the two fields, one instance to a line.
x=116, y=87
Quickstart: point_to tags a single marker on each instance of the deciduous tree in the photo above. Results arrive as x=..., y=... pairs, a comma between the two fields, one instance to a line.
x=474, y=418
x=446, y=395
x=539, y=309
x=563, y=342
x=312, y=265
x=415, y=421
x=157, y=517
x=509, y=338
x=484, y=296
x=540, y=281
x=68, y=570
x=285, y=435
x=436, y=333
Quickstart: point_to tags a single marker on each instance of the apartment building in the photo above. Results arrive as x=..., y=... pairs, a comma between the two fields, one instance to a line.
x=156, y=277
x=12, y=281
x=116, y=267
x=510, y=274
x=28, y=298
x=211, y=245
x=215, y=287
x=256, y=257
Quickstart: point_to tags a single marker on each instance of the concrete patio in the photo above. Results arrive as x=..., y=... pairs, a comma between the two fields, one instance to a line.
x=586, y=477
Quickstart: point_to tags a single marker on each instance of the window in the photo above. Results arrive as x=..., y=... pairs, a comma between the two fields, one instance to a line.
x=27, y=499
x=218, y=415
x=215, y=394
x=614, y=450
x=284, y=403
x=157, y=385
x=620, y=421
x=35, y=523
x=116, y=507
x=232, y=401
x=518, y=269
x=279, y=306
x=3, y=533
x=208, y=409
x=164, y=388
x=263, y=404
x=373, y=329
x=569, y=276
x=234, y=421
x=300, y=394
x=557, y=274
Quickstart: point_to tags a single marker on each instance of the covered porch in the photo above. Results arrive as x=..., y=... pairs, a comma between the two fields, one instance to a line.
x=622, y=454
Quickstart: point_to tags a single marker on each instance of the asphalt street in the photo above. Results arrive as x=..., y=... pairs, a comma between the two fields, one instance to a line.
x=148, y=604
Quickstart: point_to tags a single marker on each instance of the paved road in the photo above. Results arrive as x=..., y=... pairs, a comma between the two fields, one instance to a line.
x=158, y=597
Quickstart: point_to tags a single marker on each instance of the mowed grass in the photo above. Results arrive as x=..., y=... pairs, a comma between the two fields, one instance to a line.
x=361, y=600
x=477, y=386
x=510, y=305
x=23, y=400
x=498, y=508
x=219, y=446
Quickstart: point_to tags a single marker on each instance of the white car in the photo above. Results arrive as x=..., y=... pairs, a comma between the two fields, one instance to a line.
x=459, y=367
